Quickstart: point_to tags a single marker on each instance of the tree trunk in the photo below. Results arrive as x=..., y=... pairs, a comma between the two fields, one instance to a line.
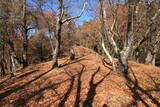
x=25, y=36
x=25, y=51
x=154, y=60
x=129, y=37
x=41, y=49
x=2, y=71
x=58, y=44
x=150, y=59
x=123, y=60
x=58, y=34
x=103, y=33
x=108, y=55
x=71, y=54
x=59, y=24
x=55, y=54
x=13, y=65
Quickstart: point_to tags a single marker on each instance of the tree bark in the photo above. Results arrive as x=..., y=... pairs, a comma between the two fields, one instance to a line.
x=13, y=65
x=150, y=58
x=2, y=71
x=71, y=54
x=151, y=54
x=109, y=56
x=129, y=37
x=58, y=44
x=123, y=61
x=25, y=36
x=103, y=33
x=25, y=49
x=12, y=58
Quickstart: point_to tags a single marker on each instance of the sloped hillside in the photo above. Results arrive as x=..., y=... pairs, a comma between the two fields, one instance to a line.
x=85, y=81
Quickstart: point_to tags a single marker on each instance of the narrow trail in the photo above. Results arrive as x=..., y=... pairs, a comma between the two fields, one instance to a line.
x=82, y=82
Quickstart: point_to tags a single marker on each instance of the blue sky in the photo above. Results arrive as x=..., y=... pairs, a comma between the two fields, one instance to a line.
x=87, y=15
x=74, y=8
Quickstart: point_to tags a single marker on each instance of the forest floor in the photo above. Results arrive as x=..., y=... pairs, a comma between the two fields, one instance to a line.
x=85, y=81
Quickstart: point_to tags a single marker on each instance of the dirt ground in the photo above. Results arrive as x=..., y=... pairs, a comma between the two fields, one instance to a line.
x=83, y=82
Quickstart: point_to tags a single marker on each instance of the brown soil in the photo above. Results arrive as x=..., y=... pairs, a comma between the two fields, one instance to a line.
x=84, y=81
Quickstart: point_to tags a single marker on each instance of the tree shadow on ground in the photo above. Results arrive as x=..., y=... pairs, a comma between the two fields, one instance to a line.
x=15, y=89
x=9, y=78
x=23, y=101
x=27, y=74
x=11, y=81
x=68, y=62
x=92, y=90
x=53, y=86
x=4, y=81
x=66, y=95
x=106, y=64
x=137, y=91
x=79, y=83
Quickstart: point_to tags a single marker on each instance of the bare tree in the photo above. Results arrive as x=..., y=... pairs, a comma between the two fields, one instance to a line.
x=151, y=52
x=128, y=44
x=103, y=34
x=60, y=21
x=12, y=58
x=25, y=27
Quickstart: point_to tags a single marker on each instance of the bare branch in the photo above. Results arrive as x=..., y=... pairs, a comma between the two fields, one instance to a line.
x=75, y=17
x=156, y=15
x=62, y=13
x=147, y=36
x=24, y=9
x=108, y=31
x=112, y=42
x=107, y=53
x=31, y=28
x=113, y=24
x=110, y=34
